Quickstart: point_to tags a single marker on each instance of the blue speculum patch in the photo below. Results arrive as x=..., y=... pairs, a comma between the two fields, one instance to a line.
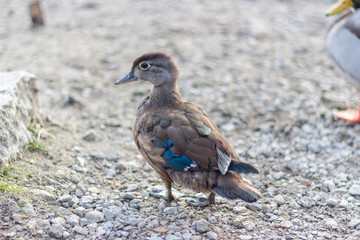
x=180, y=163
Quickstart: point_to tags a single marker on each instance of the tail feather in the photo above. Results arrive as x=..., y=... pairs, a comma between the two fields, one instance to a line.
x=234, y=187
x=242, y=167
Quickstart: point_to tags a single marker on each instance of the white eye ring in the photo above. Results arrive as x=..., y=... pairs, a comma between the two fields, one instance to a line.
x=144, y=65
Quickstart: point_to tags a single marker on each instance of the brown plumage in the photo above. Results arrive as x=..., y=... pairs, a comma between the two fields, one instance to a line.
x=179, y=140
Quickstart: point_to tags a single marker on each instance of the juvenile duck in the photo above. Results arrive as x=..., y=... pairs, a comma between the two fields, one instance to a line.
x=343, y=45
x=179, y=140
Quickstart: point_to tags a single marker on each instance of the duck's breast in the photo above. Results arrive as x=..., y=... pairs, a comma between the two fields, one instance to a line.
x=343, y=45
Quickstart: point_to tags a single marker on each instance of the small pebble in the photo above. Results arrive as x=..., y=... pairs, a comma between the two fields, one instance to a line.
x=201, y=225
x=90, y=136
x=330, y=222
x=75, y=178
x=170, y=210
x=248, y=225
x=354, y=223
x=211, y=235
x=331, y=202
x=95, y=216
x=279, y=200
x=354, y=190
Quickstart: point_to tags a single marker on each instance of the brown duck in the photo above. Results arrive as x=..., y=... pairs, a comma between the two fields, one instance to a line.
x=179, y=140
x=343, y=45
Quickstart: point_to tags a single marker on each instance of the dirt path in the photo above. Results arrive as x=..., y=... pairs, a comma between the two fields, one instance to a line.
x=260, y=70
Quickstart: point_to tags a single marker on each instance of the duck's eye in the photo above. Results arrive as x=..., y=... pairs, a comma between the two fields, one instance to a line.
x=144, y=65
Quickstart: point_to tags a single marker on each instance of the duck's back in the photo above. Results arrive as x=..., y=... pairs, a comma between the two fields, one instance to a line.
x=343, y=45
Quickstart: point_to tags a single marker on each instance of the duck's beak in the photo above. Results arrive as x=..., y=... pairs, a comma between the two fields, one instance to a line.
x=339, y=7
x=128, y=78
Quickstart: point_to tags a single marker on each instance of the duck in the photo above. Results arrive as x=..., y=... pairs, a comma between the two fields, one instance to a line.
x=179, y=140
x=343, y=45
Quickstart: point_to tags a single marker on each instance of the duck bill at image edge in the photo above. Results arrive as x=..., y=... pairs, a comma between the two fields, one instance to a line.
x=339, y=7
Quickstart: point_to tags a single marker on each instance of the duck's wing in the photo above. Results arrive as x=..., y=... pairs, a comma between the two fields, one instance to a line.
x=184, y=138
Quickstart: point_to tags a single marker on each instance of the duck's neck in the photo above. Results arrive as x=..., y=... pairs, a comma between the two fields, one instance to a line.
x=164, y=95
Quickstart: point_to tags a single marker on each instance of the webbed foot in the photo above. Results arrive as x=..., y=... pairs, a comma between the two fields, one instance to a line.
x=350, y=115
x=202, y=202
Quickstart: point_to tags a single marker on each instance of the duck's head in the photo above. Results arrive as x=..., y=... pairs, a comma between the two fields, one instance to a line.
x=155, y=67
x=341, y=6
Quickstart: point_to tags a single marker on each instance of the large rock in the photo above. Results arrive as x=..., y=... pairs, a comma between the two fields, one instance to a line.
x=18, y=107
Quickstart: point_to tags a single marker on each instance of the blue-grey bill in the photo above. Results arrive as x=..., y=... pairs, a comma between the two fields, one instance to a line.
x=128, y=78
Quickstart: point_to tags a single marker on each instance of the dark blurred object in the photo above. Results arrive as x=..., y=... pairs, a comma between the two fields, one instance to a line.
x=36, y=14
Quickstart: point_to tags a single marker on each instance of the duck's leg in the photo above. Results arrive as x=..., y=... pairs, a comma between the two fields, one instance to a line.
x=350, y=115
x=210, y=200
x=169, y=197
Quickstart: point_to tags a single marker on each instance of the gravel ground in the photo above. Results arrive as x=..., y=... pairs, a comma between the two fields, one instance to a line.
x=259, y=68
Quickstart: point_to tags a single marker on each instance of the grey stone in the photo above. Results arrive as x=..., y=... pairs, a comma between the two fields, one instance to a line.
x=286, y=224
x=31, y=226
x=248, y=225
x=80, y=230
x=110, y=173
x=344, y=203
x=13, y=207
x=172, y=237
x=66, y=235
x=307, y=202
x=201, y=225
x=239, y=209
x=65, y=198
x=211, y=235
x=75, y=178
x=100, y=232
x=29, y=210
x=72, y=220
x=329, y=186
x=74, y=201
x=330, y=222
x=254, y=206
x=63, y=211
x=43, y=224
x=56, y=231
x=128, y=196
x=80, y=211
x=279, y=200
x=278, y=175
x=134, y=221
x=294, y=204
x=354, y=223
x=212, y=220
x=95, y=216
x=18, y=106
x=170, y=210
x=84, y=222
x=161, y=206
x=331, y=202
x=90, y=136
x=132, y=187
x=79, y=193
x=85, y=200
x=81, y=187
x=354, y=190
x=58, y=221
x=45, y=195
